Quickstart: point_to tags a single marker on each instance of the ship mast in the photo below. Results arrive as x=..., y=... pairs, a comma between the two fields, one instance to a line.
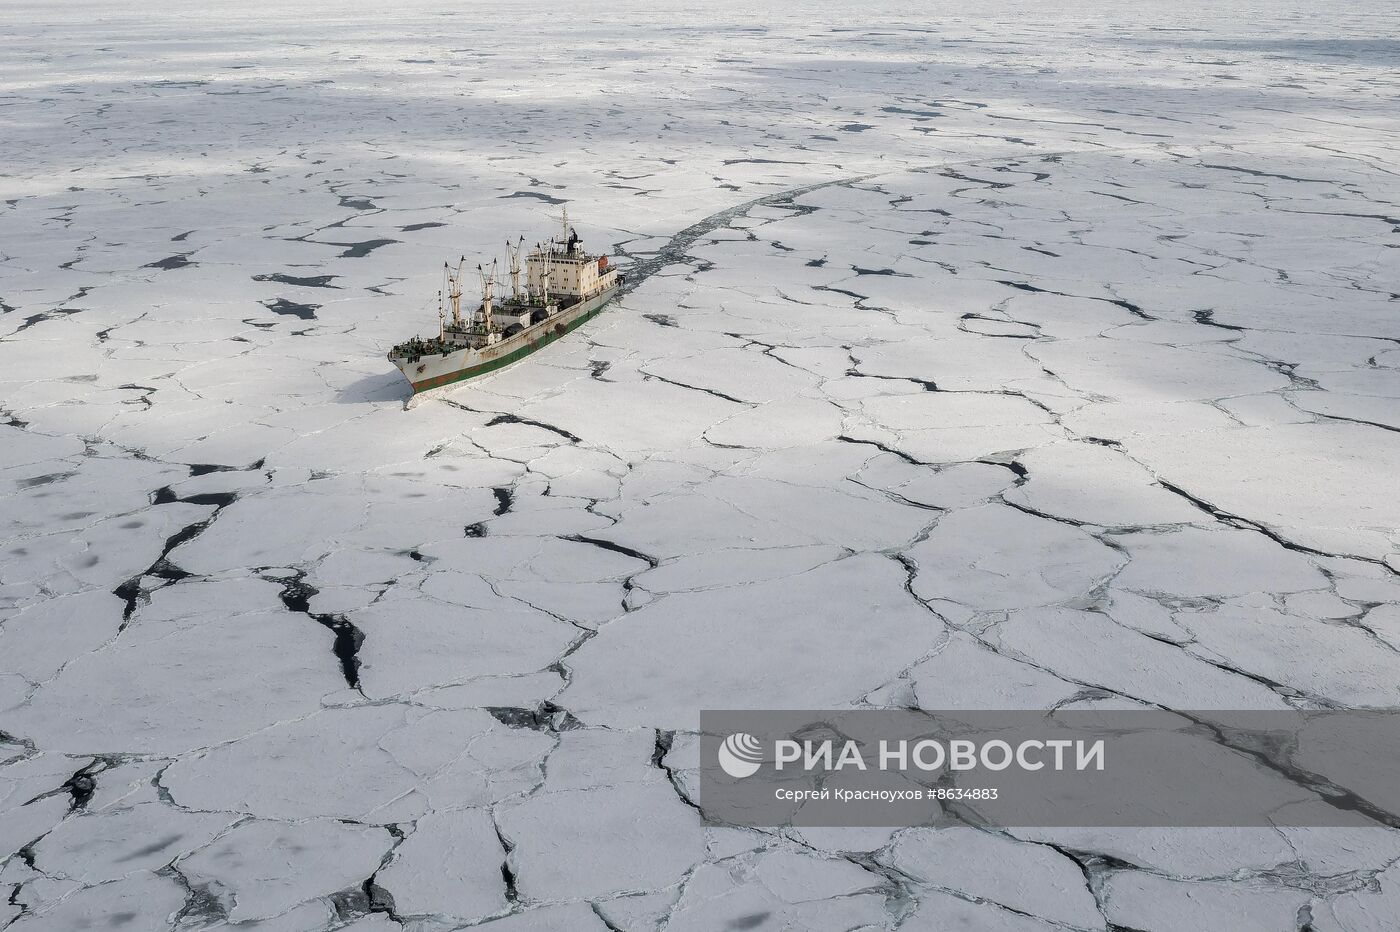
x=488, y=283
x=565, y=240
x=546, y=264
x=514, y=253
x=454, y=292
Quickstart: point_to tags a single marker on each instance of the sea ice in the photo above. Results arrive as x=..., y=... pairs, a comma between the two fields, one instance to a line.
x=1017, y=356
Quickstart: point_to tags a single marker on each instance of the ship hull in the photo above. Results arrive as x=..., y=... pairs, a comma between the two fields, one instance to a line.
x=439, y=370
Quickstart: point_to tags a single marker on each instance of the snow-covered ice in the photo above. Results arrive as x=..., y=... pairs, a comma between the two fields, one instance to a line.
x=1020, y=356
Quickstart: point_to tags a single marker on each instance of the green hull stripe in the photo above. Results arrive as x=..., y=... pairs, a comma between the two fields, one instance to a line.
x=513, y=356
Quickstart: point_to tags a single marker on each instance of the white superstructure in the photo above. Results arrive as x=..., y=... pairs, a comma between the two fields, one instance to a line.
x=561, y=267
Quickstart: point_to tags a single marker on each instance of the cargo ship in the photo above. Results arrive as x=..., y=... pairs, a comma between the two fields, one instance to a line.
x=564, y=287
